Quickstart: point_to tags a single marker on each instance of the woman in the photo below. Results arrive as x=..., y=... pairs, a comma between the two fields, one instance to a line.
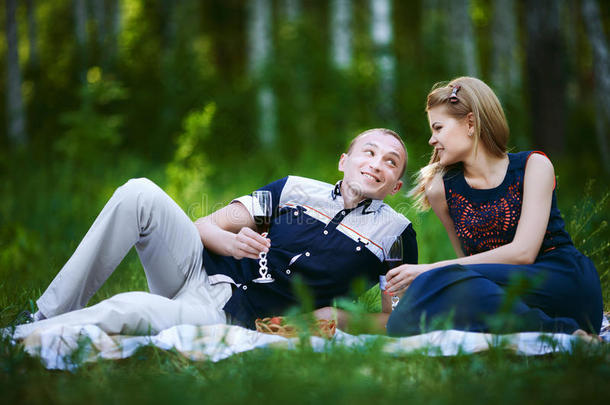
x=517, y=268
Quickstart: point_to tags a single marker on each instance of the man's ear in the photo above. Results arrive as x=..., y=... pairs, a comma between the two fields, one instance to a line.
x=397, y=187
x=342, y=161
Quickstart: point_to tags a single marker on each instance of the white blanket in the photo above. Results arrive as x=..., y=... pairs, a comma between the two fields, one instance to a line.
x=65, y=347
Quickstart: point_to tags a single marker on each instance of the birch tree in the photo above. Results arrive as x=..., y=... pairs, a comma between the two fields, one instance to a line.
x=434, y=34
x=385, y=61
x=505, y=67
x=114, y=28
x=259, y=54
x=80, y=31
x=341, y=33
x=292, y=10
x=461, y=31
x=32, y=37
x=99, y=15
x=601, y=74
x=14, y=99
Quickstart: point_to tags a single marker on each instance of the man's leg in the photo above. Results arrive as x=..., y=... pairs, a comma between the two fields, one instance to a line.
x=139, y=213
x=141, y=313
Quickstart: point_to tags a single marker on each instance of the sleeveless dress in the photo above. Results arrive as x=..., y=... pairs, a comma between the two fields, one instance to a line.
x=559, y=292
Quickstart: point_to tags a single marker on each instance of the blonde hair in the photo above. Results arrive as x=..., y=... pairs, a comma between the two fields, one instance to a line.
x=460, y=97
x=383, y=131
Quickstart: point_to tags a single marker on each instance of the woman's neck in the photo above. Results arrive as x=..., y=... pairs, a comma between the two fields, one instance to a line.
x=484, y=170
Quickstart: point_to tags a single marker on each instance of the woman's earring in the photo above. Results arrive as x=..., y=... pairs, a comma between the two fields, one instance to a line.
x=470, y=133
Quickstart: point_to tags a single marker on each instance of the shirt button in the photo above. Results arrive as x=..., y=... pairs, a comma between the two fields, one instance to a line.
x=343, y=212
x=325, y=232
x=244, y=287
x=296, y=213
x=287, y=271
x=358, y=248
x=307, y=254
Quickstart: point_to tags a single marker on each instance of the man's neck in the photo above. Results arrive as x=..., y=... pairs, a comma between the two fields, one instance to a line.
x=351, y=199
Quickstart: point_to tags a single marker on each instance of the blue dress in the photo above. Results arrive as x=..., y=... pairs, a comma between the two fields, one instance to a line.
x=559, y=292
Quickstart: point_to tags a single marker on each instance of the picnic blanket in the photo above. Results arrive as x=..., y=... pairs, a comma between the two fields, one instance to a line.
x=66, y=347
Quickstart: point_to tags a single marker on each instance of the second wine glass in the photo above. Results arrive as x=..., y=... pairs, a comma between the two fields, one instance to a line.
x=392, y=246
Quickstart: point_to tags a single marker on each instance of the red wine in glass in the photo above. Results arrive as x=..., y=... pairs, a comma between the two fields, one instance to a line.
x=391, y=263
x=261, y=211
x=262, y=223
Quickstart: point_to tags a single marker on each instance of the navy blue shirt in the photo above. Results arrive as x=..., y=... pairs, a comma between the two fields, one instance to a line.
x=315, y=237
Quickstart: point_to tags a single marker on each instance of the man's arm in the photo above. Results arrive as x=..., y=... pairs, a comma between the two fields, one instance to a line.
x=230, y=231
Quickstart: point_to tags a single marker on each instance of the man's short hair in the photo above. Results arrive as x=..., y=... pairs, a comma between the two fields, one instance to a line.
x=384, y=131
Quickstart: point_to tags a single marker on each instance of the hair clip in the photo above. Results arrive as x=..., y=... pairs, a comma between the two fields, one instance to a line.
x=453, y=97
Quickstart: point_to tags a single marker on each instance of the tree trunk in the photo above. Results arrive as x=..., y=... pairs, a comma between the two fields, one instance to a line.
x=341, y=16
x=505, y=71
x=99, y=13
x=434, y=36
x=259, y=53
x=601, y=74
x=385, y=61
x=14, y=100
x=33, y=57
x=546, y=74
x=292, y=9
x=462, y=37
x=80, y=30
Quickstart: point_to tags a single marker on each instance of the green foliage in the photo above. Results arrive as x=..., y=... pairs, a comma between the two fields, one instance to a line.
x=588, y=226
x=187, y=172
x=17, y=246
x=587, y=223
x=91, y=131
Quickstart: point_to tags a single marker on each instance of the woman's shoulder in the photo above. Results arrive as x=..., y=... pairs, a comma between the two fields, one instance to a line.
x=435, y=191
x=521, y=159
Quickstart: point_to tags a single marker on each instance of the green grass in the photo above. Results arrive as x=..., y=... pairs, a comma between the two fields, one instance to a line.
x=341, y=376
x=43, y=221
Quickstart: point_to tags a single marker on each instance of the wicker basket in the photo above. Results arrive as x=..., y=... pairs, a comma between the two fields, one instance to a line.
x=278, y=325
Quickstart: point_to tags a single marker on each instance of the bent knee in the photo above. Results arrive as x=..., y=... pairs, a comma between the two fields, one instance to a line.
x=135, y=190
x=140, y=184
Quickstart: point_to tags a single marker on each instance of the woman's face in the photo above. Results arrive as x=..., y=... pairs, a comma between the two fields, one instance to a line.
x=451, y=138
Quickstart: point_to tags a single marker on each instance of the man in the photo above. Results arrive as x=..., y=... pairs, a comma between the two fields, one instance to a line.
x=202, y=273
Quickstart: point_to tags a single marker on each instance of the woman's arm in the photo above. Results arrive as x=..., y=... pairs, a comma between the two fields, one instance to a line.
x=436, y=196
x=538, y=184
x=230, y=232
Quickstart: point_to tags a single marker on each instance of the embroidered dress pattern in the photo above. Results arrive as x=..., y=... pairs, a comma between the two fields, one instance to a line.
x=488, y=225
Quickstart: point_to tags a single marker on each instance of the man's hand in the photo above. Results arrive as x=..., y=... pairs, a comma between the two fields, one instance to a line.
x=230, y=232
x=248, y=243
x=399, y=278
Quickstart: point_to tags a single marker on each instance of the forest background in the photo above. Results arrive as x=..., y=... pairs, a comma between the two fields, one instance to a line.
x=212, y=99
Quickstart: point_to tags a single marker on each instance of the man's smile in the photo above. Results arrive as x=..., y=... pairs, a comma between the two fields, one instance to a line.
x=371, y=176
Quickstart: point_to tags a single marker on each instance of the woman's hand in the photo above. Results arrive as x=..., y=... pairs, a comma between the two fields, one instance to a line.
x=248, y=243
x=399, y=278
x=330, y=313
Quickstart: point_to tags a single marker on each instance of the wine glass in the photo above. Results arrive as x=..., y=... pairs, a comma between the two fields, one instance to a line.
x=392, y=255
x=261, y=211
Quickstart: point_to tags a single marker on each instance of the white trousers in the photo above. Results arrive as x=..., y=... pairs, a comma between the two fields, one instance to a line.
x=139, y=213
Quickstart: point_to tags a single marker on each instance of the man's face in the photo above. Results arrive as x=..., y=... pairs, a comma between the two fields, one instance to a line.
x=373, y=166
